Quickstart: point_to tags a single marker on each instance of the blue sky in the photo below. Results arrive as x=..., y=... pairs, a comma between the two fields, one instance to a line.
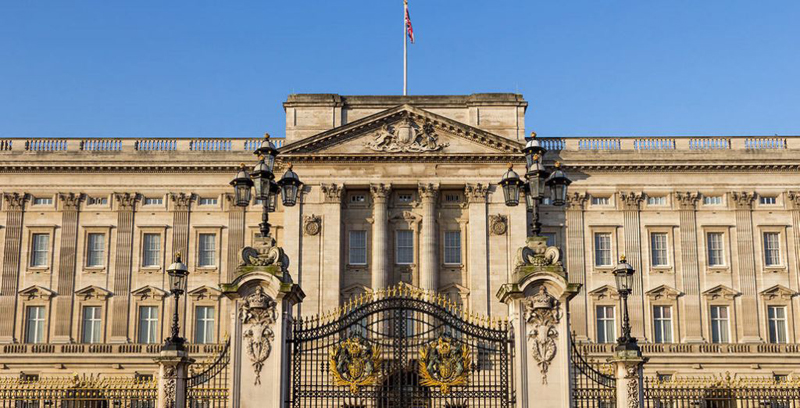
x=223, y=68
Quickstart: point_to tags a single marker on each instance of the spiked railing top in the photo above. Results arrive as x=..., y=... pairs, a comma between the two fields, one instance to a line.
x=723, y=381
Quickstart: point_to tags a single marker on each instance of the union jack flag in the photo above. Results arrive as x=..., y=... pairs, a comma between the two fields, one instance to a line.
x=408, y=23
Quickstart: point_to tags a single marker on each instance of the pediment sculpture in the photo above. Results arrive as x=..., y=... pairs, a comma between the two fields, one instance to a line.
x=543, y=313
x=259, y=312
x=406, y=137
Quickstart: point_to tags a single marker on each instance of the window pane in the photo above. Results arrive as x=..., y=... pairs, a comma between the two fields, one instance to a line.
x=777, y=324
x=148, y=324
x=41, y=244
x=95, y=249
x=606, y=324
x=662, y=324
x=602, y=249
x=719, y=324
x=207, y=246
x=151, y=250
x=452, y=247
x=92, y=325
x=204, y=325
x=34, y=325
x=715, y=249
x=358, y=248
x=405, y=247
x=772, y=250
x=658, y=248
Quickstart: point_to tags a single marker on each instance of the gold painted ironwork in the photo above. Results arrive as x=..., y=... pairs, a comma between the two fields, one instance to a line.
x=445, y=365
x=354, y=363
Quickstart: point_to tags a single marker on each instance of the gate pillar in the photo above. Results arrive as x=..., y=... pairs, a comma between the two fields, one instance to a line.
x=628, y=367
x=538, y=298
x=263, y=297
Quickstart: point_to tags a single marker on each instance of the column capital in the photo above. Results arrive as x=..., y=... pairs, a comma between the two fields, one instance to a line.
x=126, y=201
x=15, y=201
x=428, y=191
x=631, y=200
x=181, y=201
x=794, y=199
x=742, y=200
x=331, y=193
x=70, y=201
x=476, y=193
x=576, y=201
x=380, y=192
x=687, y=200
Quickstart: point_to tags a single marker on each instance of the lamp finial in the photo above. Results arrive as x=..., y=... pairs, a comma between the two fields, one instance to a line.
x=622, y=258
x=266, y=135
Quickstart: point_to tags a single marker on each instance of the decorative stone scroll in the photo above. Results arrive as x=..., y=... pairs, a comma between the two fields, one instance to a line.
x=406, y=137
x=632, y=375
x=543, y=313
x=537, y=253
x=354, y=363
x=265, y=253
x=312, y=224
x=498, y=224
x=259, y=311
x=444, y=364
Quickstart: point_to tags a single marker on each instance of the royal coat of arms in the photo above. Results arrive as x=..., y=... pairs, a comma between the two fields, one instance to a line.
x=406, y=137
x=444, y=364
x=354, y=363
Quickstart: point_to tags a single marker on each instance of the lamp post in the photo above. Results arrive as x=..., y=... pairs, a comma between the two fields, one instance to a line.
x=262, y=180
x=623, y=275
x=178, y=272
x=538, y=183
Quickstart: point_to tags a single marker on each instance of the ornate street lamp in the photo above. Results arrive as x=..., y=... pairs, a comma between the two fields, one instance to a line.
x=623, y=275
x=178, y=272
x=262, y=180
x=539, y=182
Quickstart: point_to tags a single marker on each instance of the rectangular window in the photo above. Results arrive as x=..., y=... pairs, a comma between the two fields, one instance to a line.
x=151, y=250
x=358, y=248
x=153, y=201
x=405, y=247
x=776, y=316
x=95, y=249
x=404, y=198
x=601, y=200
x=716, y=248
x=712, y=200
x=40, y=249
x=658, y=249
x=662, y=324
x=602, y=249
x=92, y=325
x=606, y=324
x=452, y=247
x=148, y=324
x=659, y=200
x=452, y=198
x=203, y=324
x=551, y=238
x=42, y=201
x=34, y=324
x=207, y=250
x=207, y=201
x=768, y=200
x=772, y=248
x=720, y=331
x=97, y=201
x=358, y=198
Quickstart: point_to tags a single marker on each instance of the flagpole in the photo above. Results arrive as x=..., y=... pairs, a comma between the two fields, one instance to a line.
x=405, y=49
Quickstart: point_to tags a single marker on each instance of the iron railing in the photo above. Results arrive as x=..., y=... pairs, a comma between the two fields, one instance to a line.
x=593, y=385
x=721, y=392
x=207, y=384
x=78, y=392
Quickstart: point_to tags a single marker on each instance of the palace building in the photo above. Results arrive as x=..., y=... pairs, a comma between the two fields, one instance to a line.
x=401, y=189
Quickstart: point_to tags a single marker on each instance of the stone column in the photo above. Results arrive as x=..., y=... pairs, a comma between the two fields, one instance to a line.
x=794, y=202
x=628, y=370
x=173, y=367
x=70, y=204
x=236, y=232
x=428, y=249
x=120, y=330
x=14, y=205
x=181, y=204
x=477, y=251
x=331, y=267
x=633, y=251
x=743, y=205
x=690, y=270
x=576, y=263
x=380, y=236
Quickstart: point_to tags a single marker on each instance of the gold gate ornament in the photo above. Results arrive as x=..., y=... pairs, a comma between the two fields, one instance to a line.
x=354, y=363
x=445, y=365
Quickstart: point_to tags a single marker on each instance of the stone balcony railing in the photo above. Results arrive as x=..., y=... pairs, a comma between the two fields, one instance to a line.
x=132, y=144
x=606, y=349
x=151, y=349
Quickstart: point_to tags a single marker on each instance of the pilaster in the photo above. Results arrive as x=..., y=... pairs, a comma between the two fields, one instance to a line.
x=631, y=203
x=125, y=206
x=181, y=203
x=331, y=246
x=576, y=263
x=428, y=272
x=14, y=206
x=236, y=232
x=690, y=270
x=743, y=206
x=478, y=248
x=70, y=204
x=380, y=236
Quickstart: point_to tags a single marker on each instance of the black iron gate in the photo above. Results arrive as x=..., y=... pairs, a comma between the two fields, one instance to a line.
x=207, y=384
x=591, y=387
x=401, y=348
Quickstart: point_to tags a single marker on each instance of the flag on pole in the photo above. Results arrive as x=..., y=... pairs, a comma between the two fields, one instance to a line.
x=408, y=23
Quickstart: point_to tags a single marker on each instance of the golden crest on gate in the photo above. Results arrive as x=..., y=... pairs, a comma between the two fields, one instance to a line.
x=355, y=363
x=444, y=364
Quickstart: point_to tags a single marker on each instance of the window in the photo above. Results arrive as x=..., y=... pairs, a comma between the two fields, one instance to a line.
x=358, y=198
x=95, y=249
x=664, y=377
x=776, y=316
x=148, y=324
x=606, y=324
x=720, y=331
x=203, y=324
x=153, y=201
x=34, y=324
x=405, y=198
x=405, y=247
x=452, y=198
x=601, y=200
x=659, y=200
x=151, y=249
x=658, y=249
x=207, y=201
x=772, y=248
x=207, y=250
x=452, y=247
x=716, y=249
x=712, y=200
x=662, y=324
x=780, y=378
x=358, y=248
x=602, y=249
x=92, y=325
x=42, y=201
x=97, y=201
x=40, y=249
x=768, y=200
x=551, y=238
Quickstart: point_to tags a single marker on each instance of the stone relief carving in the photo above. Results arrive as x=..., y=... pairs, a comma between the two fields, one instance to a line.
x=576, y=201
x=170, y=385
x=182, y=201
x=70, y=201
x=476, y=193
x=742, y=200
x=543, y=313
x=406, y=137
x=331, y=193
x=259, y=311
x=428, y=191
x=312, y=224
x=126, y=201
x=794, y=199
x=15, y=201
x=687, y=200
x=632, y=375
x=379, y=192
x=498, y=224
x=265, y=253
x=537, y=253
x=631, y=201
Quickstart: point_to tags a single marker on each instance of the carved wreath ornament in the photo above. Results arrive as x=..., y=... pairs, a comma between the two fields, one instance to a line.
x=406, y=137
x=354, y=363
x=444, y=364
x=542, y=312
x=258, y=311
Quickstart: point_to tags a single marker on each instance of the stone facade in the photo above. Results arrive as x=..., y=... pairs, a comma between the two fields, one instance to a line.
x=401, y=189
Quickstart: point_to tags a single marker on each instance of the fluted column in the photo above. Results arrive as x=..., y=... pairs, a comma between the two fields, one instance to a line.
x=14, y=205
x=633, y=251
x=181, y=204
x=70, y=204
x=690, y=270
x=428, y=251
x=380, y=221
x=331, y=247
x=120, y=330
x=236, y=230
x=576, y=263
x=743, y=204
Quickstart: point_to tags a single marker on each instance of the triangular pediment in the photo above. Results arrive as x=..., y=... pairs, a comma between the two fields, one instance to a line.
x=92, y=292
x=605, y=292
x=403, y=132
x=778, y=292
x=36, y=292
x=720, y=292
x=663, y=292
x=149, y=292
x=205, y=292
